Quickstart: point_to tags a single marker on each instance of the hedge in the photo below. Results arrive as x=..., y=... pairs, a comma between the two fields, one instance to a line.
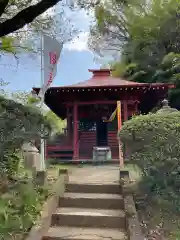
x=153, y=142
x=18, y=123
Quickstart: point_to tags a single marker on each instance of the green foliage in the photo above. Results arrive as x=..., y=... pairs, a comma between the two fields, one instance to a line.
x=23, y=97
x=10, y=164
x=22, y=123
x=27, y=99
x=153, y=142
x=7, y=45
x=145, y=36
x=17, y=117
x=57, y=124
x=109, y=33
x=19, y=209
x=153, y=32
x=32, y=100
x=18, y=123
x=118, y=69
x=26, y=39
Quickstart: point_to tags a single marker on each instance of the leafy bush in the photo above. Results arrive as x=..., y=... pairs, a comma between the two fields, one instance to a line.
x=10, y=164
x=153, y=142
x=19, y=209
x=18, y=123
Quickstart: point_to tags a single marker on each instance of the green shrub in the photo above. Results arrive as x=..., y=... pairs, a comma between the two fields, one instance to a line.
x=18, y=123
x=9, y=164
x=153, y=142
x=19, y=209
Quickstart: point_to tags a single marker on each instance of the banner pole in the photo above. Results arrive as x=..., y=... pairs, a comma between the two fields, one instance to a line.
x=50, y=53
x=42, y=144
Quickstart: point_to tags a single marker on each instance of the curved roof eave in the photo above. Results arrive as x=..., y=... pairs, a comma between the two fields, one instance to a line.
x=155, y=85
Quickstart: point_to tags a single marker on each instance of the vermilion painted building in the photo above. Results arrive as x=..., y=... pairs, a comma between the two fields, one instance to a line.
x=87, y=104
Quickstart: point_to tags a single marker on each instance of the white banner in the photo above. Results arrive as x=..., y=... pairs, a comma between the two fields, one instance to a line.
x=51, y=53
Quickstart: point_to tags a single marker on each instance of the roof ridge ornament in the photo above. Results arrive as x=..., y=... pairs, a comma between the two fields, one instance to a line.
x=106, y=72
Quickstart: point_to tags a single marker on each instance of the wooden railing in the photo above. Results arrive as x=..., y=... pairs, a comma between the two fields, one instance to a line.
x=59, y=148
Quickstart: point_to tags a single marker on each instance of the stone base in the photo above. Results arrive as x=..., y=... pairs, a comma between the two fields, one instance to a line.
x=101, y=154
x=64, y=171
x=124, y=174
x=39, y=178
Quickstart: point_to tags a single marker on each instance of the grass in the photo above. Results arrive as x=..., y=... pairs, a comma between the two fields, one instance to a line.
x=21, y=202
x=19, y=208
x=153, y=215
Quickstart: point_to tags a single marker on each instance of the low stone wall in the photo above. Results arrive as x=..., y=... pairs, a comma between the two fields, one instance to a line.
x=133, y=225
x=44, y=221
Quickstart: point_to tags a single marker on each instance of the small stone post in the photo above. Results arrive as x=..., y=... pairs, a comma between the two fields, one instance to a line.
x=30, y=154
x=32, y=161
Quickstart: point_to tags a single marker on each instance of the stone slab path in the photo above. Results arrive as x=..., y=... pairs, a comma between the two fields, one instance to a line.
x=95, y=174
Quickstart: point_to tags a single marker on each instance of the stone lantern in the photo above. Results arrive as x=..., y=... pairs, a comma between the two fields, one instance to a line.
x=166, y=108
x=31, y=155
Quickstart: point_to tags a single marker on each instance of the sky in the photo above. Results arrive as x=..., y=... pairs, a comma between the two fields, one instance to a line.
x=75, y=60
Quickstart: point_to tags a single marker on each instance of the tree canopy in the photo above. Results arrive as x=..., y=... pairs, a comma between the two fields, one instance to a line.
x=143, y=36
x=25, y=16
x=26, y=99
x=25, y=37
x=19, y=123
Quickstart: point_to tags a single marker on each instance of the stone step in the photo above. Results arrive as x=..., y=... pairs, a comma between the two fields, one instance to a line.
x=94, y=218
x=94, y=188
x=92, y=200
x=68, y=233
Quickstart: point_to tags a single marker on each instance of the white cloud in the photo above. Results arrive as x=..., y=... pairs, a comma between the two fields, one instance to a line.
x=79, y=43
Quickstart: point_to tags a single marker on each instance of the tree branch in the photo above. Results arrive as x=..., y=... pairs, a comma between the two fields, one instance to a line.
x=3, y=5
x=25, y=16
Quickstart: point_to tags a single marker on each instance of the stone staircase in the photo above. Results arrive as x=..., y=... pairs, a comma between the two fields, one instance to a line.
x=89, y=212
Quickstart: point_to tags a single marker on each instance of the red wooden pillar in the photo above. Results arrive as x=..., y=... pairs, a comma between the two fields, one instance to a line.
x=75, y=132
x=68, y=124
x=136, y=108
x=125, y=107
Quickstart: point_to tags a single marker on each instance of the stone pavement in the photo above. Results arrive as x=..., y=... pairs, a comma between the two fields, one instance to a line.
x=95, y=174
